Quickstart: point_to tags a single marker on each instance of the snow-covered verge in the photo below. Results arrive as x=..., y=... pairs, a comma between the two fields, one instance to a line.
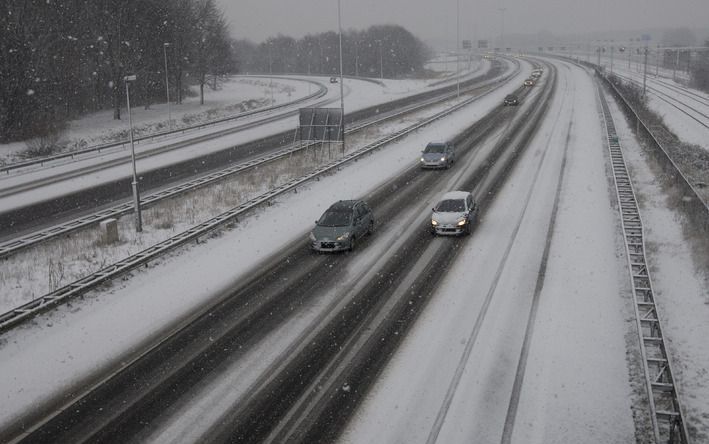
x=680, y=280
x=67, y=346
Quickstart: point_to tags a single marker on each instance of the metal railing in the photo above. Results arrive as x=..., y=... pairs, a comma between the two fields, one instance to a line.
x=688, y=198
x=666, y=413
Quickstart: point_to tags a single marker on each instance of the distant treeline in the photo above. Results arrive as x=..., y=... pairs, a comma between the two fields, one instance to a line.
x=63, y=58
x=385, y=50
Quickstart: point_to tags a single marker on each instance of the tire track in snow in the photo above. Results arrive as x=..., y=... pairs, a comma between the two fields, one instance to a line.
x=524, y=353
x=455, y=382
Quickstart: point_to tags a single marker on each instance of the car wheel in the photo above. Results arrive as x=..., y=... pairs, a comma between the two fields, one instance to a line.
x=467, y=228
x=370, y=228
x=353, y=243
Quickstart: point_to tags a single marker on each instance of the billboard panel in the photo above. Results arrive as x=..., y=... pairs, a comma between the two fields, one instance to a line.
x=322, y=124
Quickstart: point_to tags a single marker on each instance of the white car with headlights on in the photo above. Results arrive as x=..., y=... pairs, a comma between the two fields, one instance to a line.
x=455, y=213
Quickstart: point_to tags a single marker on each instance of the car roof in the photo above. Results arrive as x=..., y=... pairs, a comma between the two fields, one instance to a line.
x=437, y=142
x=343, y=205
x=452, y=195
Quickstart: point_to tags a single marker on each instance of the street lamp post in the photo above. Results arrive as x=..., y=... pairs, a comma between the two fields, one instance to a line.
x=457, y=48
x=270, y=71
x=167, y=85
x=502, y=29
x=381, y=61
x=645, y=73
x=356, y=58
x=136, y=195
x=342, y=86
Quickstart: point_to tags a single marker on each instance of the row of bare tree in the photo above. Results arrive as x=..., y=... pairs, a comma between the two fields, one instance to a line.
x=388, y=51
x=63, y=58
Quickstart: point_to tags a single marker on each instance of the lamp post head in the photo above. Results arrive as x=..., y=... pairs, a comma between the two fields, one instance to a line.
x=130, y=78
x=166, y=44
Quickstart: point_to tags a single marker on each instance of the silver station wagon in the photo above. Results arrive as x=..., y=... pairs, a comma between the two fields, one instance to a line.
x=438, y=155
x=339, y=228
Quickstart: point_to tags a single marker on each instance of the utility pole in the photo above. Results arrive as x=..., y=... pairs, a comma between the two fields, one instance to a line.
x=502, y=29
x=342, y=86
x=645, y=73
x=657, y=62
x=167, y=85
x=356, y=59
x=457, y=48
x=612, y=51
x=270, y=71
x=134, y=184
x=381, y=62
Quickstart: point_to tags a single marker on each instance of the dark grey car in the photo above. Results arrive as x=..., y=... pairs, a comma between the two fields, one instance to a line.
x=339, y=228
x=438, y=155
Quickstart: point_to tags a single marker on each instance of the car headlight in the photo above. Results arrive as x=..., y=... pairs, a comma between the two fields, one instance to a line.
x=461, y=222
x=312, y=237
x=343, y=236
x=422, y=159
x=434, y=222
x=443, y=159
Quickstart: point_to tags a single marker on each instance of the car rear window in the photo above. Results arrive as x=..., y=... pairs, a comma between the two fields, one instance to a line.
x=335, y=219
x=451, y=205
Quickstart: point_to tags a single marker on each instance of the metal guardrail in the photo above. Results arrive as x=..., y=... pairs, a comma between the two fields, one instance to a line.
x=689, y=199
x=666, y=413
x=97, y=148
x=83, y=285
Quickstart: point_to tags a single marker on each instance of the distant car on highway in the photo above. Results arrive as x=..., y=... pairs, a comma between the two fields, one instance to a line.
x=341, y=226
x=536, y=73
x=511, y=100
x=455, y=213
x=529, y=82
x=333, y=79
x=438, y=155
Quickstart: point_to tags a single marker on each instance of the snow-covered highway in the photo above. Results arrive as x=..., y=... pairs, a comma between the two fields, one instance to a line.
x=527, y=336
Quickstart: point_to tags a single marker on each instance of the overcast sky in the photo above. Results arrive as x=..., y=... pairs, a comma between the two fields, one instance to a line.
x=435, y=20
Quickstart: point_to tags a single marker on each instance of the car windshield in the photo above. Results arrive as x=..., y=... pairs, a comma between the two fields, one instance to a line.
x=434, y=148
x=451, y=205
x=335, y=219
